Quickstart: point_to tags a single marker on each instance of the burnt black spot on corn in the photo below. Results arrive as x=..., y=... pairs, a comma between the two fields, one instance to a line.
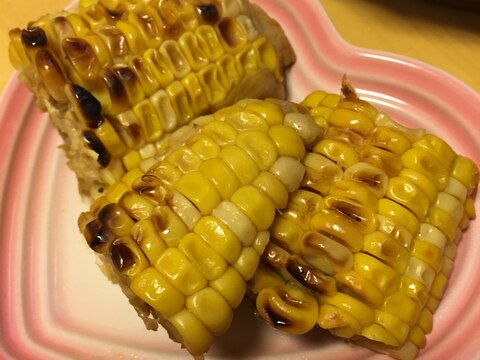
x=189, y=226
x=370, y=238
x=152, y=67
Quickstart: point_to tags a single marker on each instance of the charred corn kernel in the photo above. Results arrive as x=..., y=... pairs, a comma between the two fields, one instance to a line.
x=211, y=309
x=389, y=139
x=288, y=307
x=373, y=177
x=162, y=63
x=231, y=285
x=158, y=292
x=219, y=237
x=169, y=225
x=146, y=236
x=355, y=191
x=127, y=257
x=362, y=217
x=195, y=335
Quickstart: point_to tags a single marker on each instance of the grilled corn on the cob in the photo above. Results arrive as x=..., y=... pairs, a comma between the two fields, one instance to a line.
x=115, y=76
x=182, y=234
x=365, y=247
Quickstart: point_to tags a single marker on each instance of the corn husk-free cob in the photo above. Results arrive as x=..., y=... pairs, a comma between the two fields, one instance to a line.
x=365, y=247
x=115, y=76
x=184, y=231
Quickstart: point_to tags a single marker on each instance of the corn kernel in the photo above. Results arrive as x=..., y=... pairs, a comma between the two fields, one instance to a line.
x=231, y=286
x=256, y=205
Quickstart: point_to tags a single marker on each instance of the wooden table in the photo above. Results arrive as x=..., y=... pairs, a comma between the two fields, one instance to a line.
x=446, y=37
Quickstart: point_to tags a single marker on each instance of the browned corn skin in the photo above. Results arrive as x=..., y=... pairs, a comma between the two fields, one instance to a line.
x=131, y=71
x=366, y=251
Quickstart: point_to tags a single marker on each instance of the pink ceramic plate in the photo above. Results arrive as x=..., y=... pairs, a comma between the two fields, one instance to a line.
x=54, y=301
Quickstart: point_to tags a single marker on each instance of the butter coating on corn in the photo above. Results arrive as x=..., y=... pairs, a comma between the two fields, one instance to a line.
x=185, y=235
x=116, y=76
x=368, y=240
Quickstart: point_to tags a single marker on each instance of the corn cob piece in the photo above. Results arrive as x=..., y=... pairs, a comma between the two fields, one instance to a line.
x=115, y=76
x=365, y=247
x=184, y=231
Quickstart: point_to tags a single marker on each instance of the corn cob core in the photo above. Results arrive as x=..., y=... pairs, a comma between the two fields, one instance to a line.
x=183, y=232
x=365, y=247
x=115, y=76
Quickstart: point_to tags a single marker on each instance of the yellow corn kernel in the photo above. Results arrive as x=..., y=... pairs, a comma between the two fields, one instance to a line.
x=379, y=334
x=273, y=188
x=466, y=171
x=360, y=286
x=422, y=182
x=213, y=89
x=136, y=206
x=116, y=191
x=221, y=132
x=437, y=147
x=395, y=230
x=175, y=267
x=385, y=248
x=267, y=56
x=237, y=221
x=145, y=235
x=269, y=111
x=287, y=141
x=321, y=172
x=398, y=214
x=184, y=159
x=115, y=219
x=425, y=163
x=350, y=119
x=417, y=337
x=398, y=328
x=381, y=275
x=231, y=285
x=196, y=94
x=261, y=241
x=429, y=253
x=355, y=191
x=148, y=120
x=402, y=306
x=110, y=139
x=443, y=221
x=211, y=309
x=420, y=271
x=451, y=205
x=326, y=254
x=457, y=189
x=414, y=289
x=289, y=171
x=169, y=225
x=389, y=139
x=425, y=321
x=247, y=262
x=240, y=162
x=340, y=153
x=387, y=161
x=220, y=174
x=205, y=147
x=287, y=233
x=180, y=102
x=433, y=235
x=198, y=189
x=288, y=307
x=256, y=205
x=194, y=334
x=338, y=321
x=228, y=73
x=314, y=99
x=210, y=264
x=194, y=54
x=131, y=159
x=361, y=312
x=339, y=227
x=260, y=147
x=158, y=292
x=439, y=285
x=209, y=42
x=432, y=303
x=409, y=195
x=219, y=237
